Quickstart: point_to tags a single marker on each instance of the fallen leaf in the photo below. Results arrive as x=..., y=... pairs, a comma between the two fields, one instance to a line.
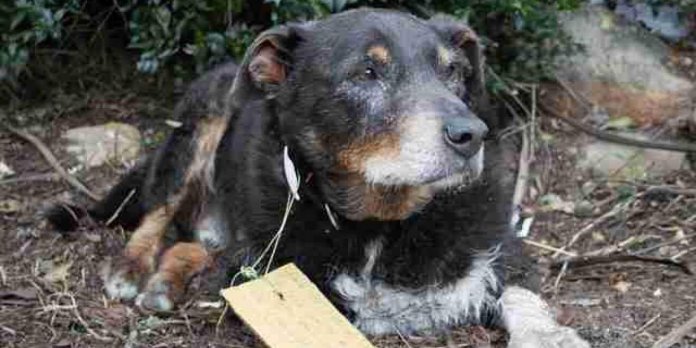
x=58, y=273
x=553, y=202
x=598, y=236
x=681, y=235
x=622, y=286
x=93, y=237
x=208, y=304
x=5, y=170
x=10, y=206
x=620, y=123
x=173, y=124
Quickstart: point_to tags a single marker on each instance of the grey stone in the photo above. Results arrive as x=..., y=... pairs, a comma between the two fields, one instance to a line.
x=618, y=161
x=97, y=145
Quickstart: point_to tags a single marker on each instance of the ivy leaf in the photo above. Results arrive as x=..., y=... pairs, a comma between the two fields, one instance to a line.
x=164, y=18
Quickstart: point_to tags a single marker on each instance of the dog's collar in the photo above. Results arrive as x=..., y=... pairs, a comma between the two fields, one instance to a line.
x=293, y=179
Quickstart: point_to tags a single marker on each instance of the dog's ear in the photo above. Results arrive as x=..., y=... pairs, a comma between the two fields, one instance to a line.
x=267, y=62
x=460, y=35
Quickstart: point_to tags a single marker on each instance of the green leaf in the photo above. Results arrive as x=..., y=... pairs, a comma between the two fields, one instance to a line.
x=18, y=19
x=164, y=18
x=620, y=123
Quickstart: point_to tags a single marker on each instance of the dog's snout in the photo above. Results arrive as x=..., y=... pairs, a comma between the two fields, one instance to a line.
x=465, y=135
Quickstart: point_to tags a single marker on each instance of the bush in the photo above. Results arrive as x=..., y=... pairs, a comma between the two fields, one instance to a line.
x=184, y=36
x=26, y=24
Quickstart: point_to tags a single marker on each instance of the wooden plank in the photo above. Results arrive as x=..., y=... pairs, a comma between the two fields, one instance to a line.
x=286, y=310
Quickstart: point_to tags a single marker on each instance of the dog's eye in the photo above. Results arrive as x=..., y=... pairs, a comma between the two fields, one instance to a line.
x=370, y=74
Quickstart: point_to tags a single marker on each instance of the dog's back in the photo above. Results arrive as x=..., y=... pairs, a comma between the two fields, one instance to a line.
x=151, y=180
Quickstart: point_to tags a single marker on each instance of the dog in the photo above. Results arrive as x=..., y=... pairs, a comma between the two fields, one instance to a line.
x=363, y=148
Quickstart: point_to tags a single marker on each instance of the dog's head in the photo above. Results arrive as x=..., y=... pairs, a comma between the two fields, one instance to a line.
x=379, y=95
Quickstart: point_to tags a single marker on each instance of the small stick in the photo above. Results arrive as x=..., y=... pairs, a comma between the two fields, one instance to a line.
x=615, y=138
x=582, y=101
x=120, y=207
x=608, y=215
x=611, y=248
x=660, y=245
x=402, y=338
x=564, y=268
x=30, y=178
x=51, y=159
x=675, y=335
x=670, y=190
x=548, y=247
x=682, y=253
x=581, y=261
x=522, y=171
x=647, y=324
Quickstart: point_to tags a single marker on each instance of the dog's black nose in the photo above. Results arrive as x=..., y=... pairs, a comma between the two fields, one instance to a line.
x=465, y=135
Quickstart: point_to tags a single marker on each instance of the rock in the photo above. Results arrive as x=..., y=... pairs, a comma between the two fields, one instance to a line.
x=584, y=209
x=687, y=62
x=96, y=145
x=616, y=161
x=621, y=69
x=664, y=20
x=553, y=202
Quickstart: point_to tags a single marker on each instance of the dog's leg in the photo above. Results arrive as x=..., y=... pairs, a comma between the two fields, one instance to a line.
x=178, y=266
x=139, y=257
x=530, y=324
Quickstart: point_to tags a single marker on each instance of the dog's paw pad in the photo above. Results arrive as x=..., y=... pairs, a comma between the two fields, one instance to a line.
x=157, y=296
x=122, y=285
x=561, y=337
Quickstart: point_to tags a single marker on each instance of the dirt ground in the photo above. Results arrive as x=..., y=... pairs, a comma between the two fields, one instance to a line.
x=51, y=292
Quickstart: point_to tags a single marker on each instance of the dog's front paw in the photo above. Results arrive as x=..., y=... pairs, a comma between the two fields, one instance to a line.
x=122, y=280
x=558, y=337
x=156, y=296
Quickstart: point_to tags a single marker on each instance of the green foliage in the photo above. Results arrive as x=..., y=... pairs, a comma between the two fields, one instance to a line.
x=523, y=36
x=164, y=30
x=25, y=24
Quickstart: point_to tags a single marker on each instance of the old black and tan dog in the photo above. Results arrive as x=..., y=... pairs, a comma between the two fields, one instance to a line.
x=404, y=209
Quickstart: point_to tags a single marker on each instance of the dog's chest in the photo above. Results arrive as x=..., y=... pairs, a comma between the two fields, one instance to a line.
x=379, y=307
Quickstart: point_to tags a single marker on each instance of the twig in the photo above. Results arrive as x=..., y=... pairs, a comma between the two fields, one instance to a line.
x=548, y=247
x=522, y=171
x=678, y=255
x=675, y=335
x=51, y=159
x=120, y=207
x=564, y=268
x=600, y=220
x=582, y=261
x=669, y=242
x=582, y=101
x=29, y=178
x=611, y=248
x=70, y=211
x=669, y=190
x=647, y=324
x=401, y=337
x=615, y=138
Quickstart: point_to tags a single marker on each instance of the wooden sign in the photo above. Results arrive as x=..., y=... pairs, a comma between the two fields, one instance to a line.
x=286, y=310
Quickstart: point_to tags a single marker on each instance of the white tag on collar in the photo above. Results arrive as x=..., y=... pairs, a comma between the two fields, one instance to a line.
x=291, y=175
